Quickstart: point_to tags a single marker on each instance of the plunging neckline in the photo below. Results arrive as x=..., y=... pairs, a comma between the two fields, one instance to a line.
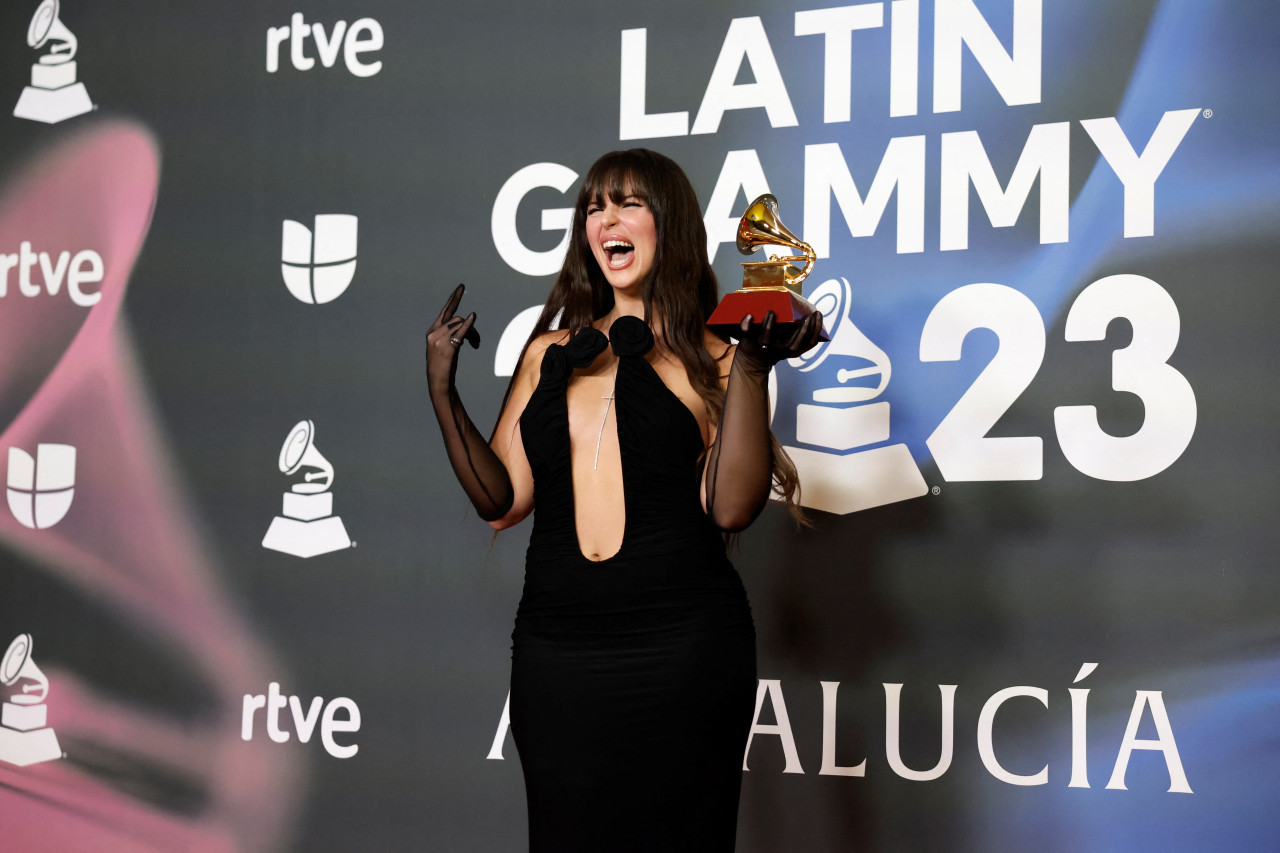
x=622, y=468
x=628, y=337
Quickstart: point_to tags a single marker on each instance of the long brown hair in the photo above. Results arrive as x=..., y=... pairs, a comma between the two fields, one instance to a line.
x=680, y=287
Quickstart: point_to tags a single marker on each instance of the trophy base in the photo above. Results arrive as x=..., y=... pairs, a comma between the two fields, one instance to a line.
x=306, y=538
x=53, y=105
x=23, y=748
x=789, y=308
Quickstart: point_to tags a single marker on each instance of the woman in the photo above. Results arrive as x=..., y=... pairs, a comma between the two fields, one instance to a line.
x=640, y=437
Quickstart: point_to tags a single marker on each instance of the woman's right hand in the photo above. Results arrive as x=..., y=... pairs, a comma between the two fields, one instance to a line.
x=444, y=339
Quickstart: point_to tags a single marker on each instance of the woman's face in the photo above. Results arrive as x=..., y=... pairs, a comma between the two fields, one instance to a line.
x=623, y=240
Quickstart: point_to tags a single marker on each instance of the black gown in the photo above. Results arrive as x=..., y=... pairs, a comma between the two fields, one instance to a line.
x=633, y=678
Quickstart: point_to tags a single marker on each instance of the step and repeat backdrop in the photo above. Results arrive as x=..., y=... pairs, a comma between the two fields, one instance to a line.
x=245, y=605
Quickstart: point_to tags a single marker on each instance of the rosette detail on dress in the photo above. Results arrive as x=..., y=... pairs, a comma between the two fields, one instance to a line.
x=630, y=336
x=559, y=361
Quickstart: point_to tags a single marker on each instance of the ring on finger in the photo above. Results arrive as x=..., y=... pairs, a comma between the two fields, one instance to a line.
x=455, y=342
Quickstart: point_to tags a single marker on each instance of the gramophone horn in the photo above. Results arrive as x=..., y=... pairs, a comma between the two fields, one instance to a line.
x=15, y=659
x=299, y=451
x=760, y=226
x=47, y=27
x=17, y=663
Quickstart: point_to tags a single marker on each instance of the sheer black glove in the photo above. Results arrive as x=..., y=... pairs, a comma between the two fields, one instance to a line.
x=761, y=347
x=739, y=472
x=483, y=476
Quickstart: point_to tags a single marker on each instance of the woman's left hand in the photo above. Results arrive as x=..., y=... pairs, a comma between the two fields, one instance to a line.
x=762, y=346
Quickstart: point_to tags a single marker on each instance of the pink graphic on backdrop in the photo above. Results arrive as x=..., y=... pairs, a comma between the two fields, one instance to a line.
x=68, y=376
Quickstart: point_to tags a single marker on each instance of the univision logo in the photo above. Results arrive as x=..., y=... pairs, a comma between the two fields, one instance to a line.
x=40, y=489
x=318, y=264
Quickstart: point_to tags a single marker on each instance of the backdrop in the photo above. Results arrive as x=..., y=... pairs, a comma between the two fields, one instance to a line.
x=245, y=605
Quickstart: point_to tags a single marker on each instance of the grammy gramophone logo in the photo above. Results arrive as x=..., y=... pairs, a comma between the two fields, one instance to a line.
x=846, y=464
x=25, y=737
x=307, y=526
x=54, y=95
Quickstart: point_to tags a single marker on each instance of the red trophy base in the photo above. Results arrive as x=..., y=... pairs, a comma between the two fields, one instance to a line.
x=789, y=308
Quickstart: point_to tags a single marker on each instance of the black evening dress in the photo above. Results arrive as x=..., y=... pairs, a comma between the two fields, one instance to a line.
x=633, y=678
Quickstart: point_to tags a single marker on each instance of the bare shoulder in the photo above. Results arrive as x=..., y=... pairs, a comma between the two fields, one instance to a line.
x=532, y=361
x=539, y=345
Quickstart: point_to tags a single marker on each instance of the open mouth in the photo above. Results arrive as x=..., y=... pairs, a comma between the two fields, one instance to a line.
x=619, y=252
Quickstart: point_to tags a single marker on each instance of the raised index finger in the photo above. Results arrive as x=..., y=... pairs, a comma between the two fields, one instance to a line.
x=451, y=304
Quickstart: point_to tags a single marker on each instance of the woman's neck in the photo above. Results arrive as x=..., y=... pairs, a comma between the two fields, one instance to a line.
x=628, y=306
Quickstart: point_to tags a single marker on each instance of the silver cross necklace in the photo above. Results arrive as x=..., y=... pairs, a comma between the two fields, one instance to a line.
x=608, y=398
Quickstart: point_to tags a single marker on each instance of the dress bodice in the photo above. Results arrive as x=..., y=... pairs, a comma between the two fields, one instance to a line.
x=659, y=440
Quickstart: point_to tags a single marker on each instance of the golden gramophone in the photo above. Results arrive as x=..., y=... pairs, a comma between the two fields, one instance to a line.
x=772, y=285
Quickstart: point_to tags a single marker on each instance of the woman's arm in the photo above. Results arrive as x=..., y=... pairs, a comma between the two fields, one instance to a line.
x=507, y=443
x=483, y=476
x=739, y=470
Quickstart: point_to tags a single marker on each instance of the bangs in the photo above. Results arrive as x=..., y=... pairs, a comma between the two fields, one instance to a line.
x=615, y=177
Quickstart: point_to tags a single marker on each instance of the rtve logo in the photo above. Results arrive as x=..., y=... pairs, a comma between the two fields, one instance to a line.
x=84, y=267
x=364, y=36
x=318, y=265
x=40, y=489
x=304, y=721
